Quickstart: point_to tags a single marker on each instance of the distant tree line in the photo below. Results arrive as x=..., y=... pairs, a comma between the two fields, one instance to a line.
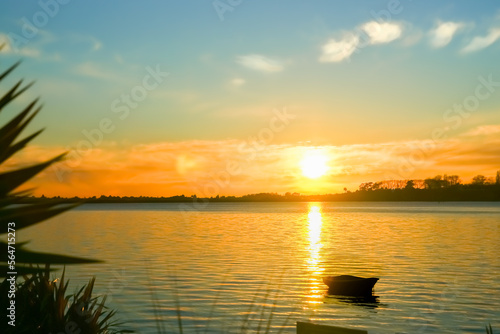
x=437, y=182
x=438, y=188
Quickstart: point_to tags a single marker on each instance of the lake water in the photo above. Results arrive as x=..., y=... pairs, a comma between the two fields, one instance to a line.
x=231, y=267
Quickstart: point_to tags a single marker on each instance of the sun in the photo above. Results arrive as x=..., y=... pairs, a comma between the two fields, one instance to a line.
x=314, y=165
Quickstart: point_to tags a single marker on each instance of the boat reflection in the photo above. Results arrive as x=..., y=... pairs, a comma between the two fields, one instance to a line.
x=365, y=301
x=316, y=286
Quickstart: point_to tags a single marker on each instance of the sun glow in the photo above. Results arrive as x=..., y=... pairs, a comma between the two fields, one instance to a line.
x=314, y=165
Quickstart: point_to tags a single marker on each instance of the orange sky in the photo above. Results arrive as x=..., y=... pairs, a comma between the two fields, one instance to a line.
x=233, y=167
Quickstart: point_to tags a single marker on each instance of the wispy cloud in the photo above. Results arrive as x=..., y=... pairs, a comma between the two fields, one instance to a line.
x=260, y=63
x=238, y=82
x=90, y=41
x=483, y=130
x=381, y=33
x=119, y=59
x=187, y=167
x=481, y=42
x=339, y=50
x=35, y=48
x=96, y=45
x=24, y=51
x=94, y=70
x=444, y=32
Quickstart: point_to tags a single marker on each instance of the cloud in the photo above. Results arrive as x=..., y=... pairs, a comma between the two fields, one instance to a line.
x=119, y=59
x=238, y=82
x=89, y=41
x=483, y=130
x=444, y=32
x=96, y=71
x=32, y=48
x=201, y=166
x=96, y=45
x=481, y=42
x=381, y=33
x=25, y=51
x=5, y=41
x=93, y=42
x=339, y=50
x=260, y=63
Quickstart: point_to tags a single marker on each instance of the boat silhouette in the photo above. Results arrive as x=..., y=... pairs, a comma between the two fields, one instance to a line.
x=347, y=285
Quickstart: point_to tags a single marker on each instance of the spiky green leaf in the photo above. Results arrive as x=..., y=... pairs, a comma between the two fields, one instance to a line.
x=23, y=255
x=30, y=214
x=9, y=70
x=13, y=179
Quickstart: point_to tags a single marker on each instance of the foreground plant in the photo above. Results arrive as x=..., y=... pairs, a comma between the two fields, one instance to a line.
x=37, y=304
x=14, y=218
x=43, y=306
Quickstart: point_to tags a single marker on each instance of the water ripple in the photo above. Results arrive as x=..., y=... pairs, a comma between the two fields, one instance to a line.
x=230, y=266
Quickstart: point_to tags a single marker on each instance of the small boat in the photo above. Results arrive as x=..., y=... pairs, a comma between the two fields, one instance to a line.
x=348, y=285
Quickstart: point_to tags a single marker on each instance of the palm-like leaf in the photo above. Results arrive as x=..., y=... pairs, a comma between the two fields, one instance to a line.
x=10, y=208
x=41, y=304
x=26, y=256
x=33, y=213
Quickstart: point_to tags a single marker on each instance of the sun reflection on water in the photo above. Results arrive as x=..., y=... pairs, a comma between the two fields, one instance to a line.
x=314, y=218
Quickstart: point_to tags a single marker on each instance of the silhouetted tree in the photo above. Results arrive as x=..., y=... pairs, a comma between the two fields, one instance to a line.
x=434, y=183
x=445, y=183
x=479, y=180
x=497, y=181
x=366, y=186
x=451, y=180
x=410, y=185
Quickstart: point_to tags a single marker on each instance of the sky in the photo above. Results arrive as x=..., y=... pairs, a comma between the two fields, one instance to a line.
x=229, y=97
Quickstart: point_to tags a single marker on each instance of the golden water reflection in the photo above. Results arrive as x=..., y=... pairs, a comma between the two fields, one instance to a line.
x=316, y=286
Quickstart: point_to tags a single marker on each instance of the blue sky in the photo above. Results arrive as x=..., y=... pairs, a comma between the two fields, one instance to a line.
x=353, y=73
